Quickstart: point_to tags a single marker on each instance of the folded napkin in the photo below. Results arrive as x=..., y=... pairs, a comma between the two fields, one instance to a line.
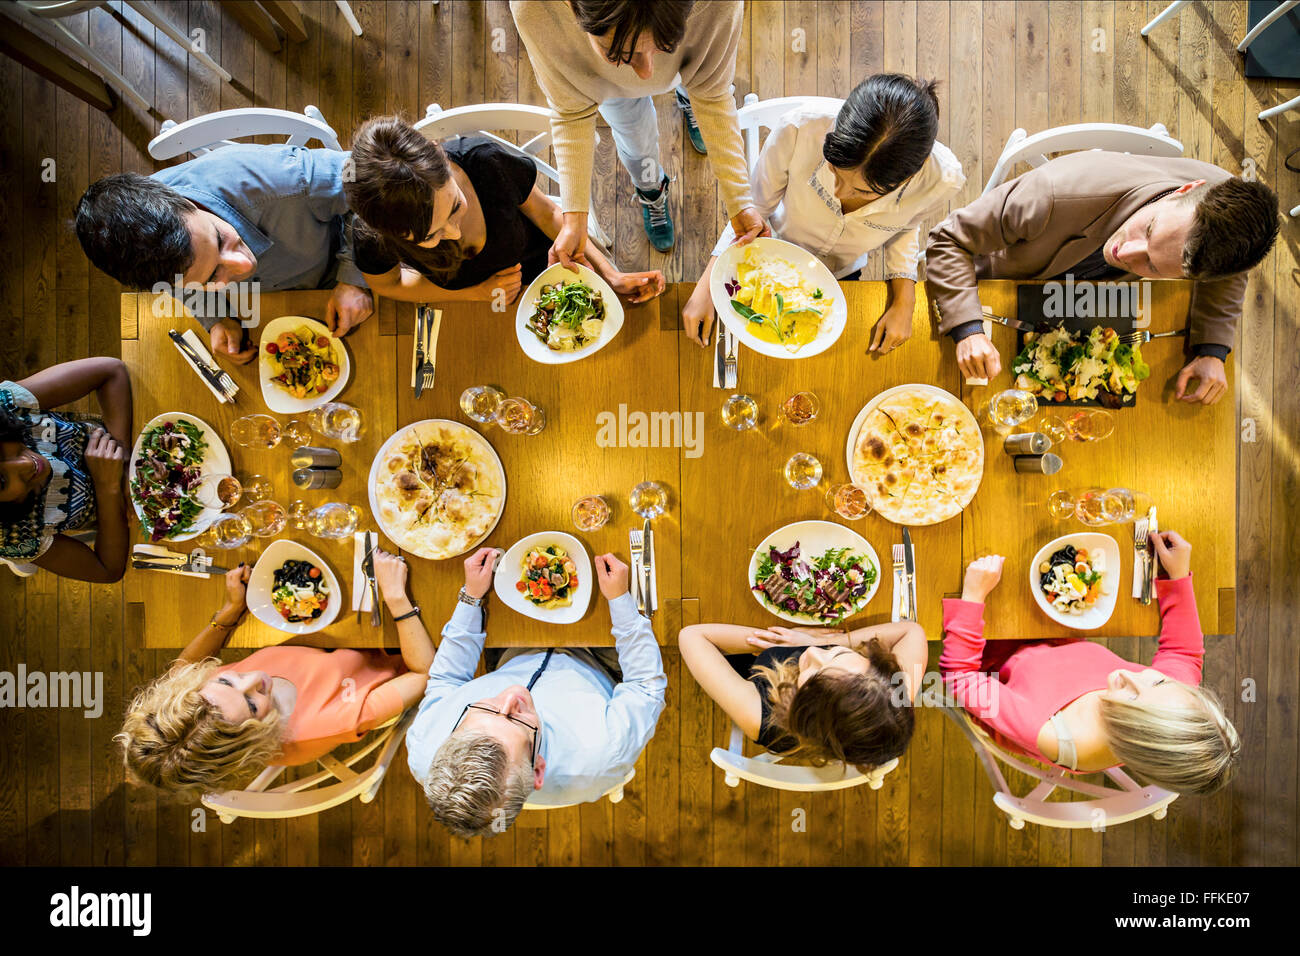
x=194, y=343
x=165, y=556
x=362, y=599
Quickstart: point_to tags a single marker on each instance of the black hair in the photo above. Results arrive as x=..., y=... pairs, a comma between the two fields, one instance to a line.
x=133, y=228
x=885, y=129
x=12, y=430
x=626, y=20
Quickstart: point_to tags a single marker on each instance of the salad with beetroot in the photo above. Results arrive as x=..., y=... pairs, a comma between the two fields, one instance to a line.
x=827, y=588
x=164, y=478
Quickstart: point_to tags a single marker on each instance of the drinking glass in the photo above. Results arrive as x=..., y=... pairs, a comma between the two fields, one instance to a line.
x=649, y=499
x=740, y=412
x=590, y=513
x=800, y=408
x=1060, y=504
x=255, y=431
x=1085, y=424
x=480, y=402
x=257, y=488
x=518, y=416
x=296, y=434
x=228, y=531
x=803, y=471
x=1053, y=426
x=1097, y=507
x=849, y=501
x=334, y=520
x=265, y=518
x=336, y=420
x=1012, y=407
x=1131, y=503
x=298, y=512
x=217, y=491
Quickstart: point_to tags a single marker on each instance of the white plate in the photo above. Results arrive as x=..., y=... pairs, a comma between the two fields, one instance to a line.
x=261, y=582
x=536, y=349
x=215, y=461
x=815, y=538
x=809, y=266
x=276, y=398
x=1100, y=612
x=509, y=571
x=868, y=408
x=383, y=453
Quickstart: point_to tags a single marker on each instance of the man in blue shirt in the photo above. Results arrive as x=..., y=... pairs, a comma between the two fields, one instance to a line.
x=552, y=721
x=274, y=215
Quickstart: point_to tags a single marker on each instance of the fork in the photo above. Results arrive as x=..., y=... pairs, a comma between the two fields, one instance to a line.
x=636, y=543
x=430, y=347
x=900, y=589
x=1140, y=556
x=729, y=365
x=1142, y=336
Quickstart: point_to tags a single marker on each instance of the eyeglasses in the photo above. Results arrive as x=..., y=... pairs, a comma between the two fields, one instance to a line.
x=510, y=717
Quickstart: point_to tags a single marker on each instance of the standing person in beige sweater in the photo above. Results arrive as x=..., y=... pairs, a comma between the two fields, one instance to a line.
x=611, y=56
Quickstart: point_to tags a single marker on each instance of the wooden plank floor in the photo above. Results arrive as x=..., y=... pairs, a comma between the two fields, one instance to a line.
x=1002, y=65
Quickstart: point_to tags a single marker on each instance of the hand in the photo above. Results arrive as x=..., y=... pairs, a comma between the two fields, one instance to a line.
x=893, y=329
x=748, y=226
x=1174, y=552
x=348, y=307
x=502, y=287
x=237, y=587
x=982, y=576
x=105, y=461
x=390, y=575
x=789, y=637
x=612, y=575
x=1209, y=371
x=478, y=571
x=977, y=358
x=698, y=317
x=638, y=286
x=225, y=338
x=571, y=243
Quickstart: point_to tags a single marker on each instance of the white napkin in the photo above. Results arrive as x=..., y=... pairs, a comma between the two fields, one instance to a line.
x=194, y=343
x=362, y=599
x=147, y=551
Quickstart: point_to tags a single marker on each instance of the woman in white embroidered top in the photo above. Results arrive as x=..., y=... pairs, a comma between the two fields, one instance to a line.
x=842, y=185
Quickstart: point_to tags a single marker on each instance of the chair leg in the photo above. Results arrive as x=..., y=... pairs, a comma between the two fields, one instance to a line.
x=1280, y=108
x=616, y=796
x=1016, y=823
x=1165, y=14
x=225, y=818
x=147, y=10
x=1295, y=213
x=346, y=9
x=1264, y=24
x=731, y=781
x=1160, y=814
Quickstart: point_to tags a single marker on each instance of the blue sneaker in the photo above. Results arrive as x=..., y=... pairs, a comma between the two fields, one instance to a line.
x=692, y=127
x=655, y=217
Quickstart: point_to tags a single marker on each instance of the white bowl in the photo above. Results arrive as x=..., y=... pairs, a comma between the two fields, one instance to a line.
x=215, y=461
x=262, y=581
x=810, y=267
x=509, y=571
x=276, y=398
x=537, y=350
x=814, y=538
x=1100, y=612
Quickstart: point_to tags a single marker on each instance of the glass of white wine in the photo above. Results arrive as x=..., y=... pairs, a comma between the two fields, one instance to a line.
x=336, y=420
x=740, y=412
x=1131, y=503
x=590, y=513
x=257, y=488
x=849, y=501
x=649, y=499
x=298, y=515
x=255, y=431
x=295, y=434
x=1012, y=407
x=227, y=532
x=1090, y=425
x=518, y=416
x=265, y=518
x=1098, y=507
x=335, y=519
x=803, y=471
x=480, y=403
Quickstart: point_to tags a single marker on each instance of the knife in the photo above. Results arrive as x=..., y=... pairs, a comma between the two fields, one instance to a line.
x=420, y=320
x=719, y=355
x=189, y=567
x=368, y=569
x=210, y=375
x=1017, y=323
x=909, y=565
x=647, y=563
x=1153, y=562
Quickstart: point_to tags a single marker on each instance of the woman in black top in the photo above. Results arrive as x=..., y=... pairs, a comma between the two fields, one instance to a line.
x=817, y=694
x=462, y=223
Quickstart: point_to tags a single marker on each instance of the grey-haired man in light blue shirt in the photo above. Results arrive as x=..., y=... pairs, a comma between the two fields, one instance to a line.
x=554, y=722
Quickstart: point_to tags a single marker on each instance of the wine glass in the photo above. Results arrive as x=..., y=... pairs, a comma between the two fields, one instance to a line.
x=800, y=408
x=255, y=431
x=217, y=491
x=1090, y=424
x=1097, y=507
x=740, y=412
x=265, y=518
x=480, y=402
x=849, y=501
x=590, y=513
x=298, y=514
x=257, y=488
x=1131, y=503
x=649, y=499
x=1012, y=407
x=336, y=420
x=803, y=471
x=296, y=434
x=518, y=416
x=335, y=519
x=227, y=532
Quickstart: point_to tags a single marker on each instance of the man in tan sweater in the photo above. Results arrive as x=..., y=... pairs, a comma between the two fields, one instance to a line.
x=611, y=56
x=1098, y=215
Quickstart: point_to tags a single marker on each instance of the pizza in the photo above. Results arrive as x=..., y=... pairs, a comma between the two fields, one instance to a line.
x=919, y=453
x=437, y=488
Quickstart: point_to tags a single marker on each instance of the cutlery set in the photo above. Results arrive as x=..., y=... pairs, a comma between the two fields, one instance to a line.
x=221, y=384
x=1145, y=562
x=148, y=557
x=642, y=548
x=428, y=322
x=904, y=561
x=725, y=348
x=371, y=541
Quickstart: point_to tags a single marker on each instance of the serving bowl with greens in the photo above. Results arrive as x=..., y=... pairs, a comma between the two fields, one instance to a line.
x=567, y=314
x=814, y=572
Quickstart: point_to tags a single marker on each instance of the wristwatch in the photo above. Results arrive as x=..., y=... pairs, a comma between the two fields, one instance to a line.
x=464, y=597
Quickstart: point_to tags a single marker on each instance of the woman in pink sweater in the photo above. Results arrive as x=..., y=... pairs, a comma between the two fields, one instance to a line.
x=1080, y=706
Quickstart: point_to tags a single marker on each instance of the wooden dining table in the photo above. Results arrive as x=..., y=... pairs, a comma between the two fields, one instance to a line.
x=726, y=488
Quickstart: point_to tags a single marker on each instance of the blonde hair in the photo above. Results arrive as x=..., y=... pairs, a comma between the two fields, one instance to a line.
x=1183, y=749
x=176, y=741
x=471, y=787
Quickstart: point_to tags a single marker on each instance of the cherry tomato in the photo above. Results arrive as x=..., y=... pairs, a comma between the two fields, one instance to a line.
x=321, y=341
x=520, y=586
x=314, y=573
x=322, y=388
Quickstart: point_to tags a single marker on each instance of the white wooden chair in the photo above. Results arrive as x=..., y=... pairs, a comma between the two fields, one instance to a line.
x=766, y=772
x=1110, y=806
x=614, y=793
x=314, y=793
x=1115, y=137
x=202, y=134
x=758, y=114
x=481, y=119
